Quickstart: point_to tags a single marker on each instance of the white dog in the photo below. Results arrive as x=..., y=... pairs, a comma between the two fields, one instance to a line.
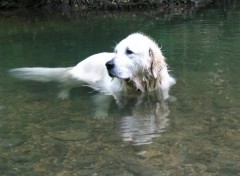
x=137, y=65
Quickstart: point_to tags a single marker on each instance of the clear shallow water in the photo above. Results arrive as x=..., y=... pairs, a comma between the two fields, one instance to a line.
x=196, y=135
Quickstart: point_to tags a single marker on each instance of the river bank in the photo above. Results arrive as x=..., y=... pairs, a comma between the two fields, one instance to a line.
x=67, y=7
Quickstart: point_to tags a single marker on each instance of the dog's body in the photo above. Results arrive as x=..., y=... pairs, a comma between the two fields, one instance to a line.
x=137, y=64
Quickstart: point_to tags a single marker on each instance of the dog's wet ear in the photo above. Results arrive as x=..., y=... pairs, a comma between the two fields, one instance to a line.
x=157, y=62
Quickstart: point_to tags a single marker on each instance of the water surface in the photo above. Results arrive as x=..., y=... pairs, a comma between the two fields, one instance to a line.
x=196, y=135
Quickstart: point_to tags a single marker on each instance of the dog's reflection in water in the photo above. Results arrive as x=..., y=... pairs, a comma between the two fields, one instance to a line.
x=143, y=120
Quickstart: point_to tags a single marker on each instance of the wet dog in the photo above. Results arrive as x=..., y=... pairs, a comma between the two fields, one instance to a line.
x=136, y=65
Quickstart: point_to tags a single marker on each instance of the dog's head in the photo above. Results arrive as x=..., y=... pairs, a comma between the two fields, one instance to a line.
x=137, y=57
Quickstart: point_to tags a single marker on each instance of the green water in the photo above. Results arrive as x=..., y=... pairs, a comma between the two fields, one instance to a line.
x=42, y=135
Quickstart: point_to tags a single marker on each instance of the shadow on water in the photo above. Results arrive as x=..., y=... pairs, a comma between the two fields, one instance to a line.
x=196, y=135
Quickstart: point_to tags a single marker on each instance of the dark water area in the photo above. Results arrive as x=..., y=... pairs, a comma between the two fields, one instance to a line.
x=197, y=134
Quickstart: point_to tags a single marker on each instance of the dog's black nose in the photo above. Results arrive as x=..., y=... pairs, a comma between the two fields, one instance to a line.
x=109, y=64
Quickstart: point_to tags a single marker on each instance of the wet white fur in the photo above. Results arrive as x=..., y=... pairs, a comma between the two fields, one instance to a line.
x=144, y=69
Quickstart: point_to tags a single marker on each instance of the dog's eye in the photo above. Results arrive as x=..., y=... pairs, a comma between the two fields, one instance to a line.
x=128, y=51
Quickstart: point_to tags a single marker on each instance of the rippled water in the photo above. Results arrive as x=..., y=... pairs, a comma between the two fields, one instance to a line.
x=196, y=135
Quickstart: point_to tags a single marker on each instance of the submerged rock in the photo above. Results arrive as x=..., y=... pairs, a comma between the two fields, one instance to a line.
x=11, y=142
x=70, y=135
